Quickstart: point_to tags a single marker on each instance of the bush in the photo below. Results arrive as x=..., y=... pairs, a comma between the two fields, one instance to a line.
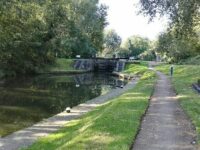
x=192, y=60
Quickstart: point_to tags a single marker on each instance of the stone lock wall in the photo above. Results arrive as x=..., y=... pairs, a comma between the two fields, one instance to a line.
x=100, y=64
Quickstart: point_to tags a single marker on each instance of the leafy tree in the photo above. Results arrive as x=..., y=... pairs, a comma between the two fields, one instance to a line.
x=136, y=45
x=150, y=54
x=183, y=14
x=123, y=52
x=174, y=49
x=22, y=28
x=112, y=42
x=181, y=39
x=34, y=32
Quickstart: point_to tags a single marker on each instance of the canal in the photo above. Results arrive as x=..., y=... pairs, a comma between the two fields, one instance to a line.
x=27, y=100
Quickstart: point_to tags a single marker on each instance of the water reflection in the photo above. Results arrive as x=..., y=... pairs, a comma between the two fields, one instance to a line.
x=25, y=101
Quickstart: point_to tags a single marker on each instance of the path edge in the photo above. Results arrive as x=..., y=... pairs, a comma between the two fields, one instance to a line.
x=185, y=112
x=142, y=118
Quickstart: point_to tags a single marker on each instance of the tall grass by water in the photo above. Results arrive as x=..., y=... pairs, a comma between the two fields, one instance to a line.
x=59, y=66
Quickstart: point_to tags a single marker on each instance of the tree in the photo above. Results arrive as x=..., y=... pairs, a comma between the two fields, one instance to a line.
x=183, y=14
x=22, y=28
x=181, y=39
x=77, y=29
x=175, y=49
x=34, y=32
x=123, y=52
x=112, y=42
x=136, y=45
x=150, y=54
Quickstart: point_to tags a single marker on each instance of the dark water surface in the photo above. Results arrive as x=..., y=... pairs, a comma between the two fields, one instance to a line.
x=26, y=101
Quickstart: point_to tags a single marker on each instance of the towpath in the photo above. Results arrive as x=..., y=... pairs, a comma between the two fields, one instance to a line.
x=165, y=125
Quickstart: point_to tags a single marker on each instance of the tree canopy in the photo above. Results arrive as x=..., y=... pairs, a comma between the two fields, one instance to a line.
x=183, y=14
x=34, y=32
x=136, y=45
x=112, y=42
x=181, y=40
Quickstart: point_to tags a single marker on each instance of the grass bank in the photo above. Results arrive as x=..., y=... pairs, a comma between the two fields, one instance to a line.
x=61, y=65
x=111, y=126
x=137, y=69
x=184, y=77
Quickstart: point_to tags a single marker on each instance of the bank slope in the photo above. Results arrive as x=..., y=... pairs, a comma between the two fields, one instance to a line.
x=61, y=65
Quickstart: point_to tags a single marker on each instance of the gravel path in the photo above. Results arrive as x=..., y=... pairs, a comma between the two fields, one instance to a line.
x=26, y=137
x=165, y=126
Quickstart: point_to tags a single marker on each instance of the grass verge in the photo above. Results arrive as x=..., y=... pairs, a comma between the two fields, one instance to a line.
x=61, y=65
x=136, y=68
x=112, y=126
x=184, y=77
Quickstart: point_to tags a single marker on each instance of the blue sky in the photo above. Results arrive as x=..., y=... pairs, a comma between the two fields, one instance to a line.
x=122, y=16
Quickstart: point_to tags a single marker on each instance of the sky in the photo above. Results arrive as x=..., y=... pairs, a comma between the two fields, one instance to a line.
x=123, y=18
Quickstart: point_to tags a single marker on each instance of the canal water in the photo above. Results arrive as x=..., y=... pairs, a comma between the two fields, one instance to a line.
x=25, y=101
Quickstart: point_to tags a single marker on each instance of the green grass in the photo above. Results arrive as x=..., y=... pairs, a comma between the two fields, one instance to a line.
x=60, y=65
x=184, y=77
x=112, y=126
x=136, y=68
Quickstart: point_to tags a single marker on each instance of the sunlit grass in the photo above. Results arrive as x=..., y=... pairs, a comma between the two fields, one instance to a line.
x=184, y=77
x=135, y=68
x=112, y=126
x=61, y=64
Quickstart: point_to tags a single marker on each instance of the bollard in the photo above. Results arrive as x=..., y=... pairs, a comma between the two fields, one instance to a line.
x=171, y=70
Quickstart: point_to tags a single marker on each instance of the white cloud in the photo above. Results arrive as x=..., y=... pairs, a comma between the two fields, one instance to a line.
x=122, y=16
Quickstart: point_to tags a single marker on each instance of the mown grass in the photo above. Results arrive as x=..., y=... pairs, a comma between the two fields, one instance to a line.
x=112, y=126
x=61, y=64
x=184, y=77
x=136, y=68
